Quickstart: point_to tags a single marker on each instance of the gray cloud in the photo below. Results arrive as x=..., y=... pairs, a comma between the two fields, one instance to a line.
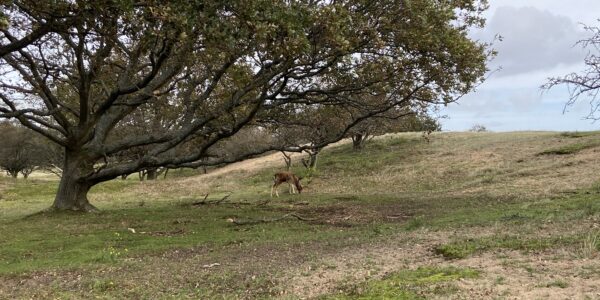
x=538, y=43
x=533, y=40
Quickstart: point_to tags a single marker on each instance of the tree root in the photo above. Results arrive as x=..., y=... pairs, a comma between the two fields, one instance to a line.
x=53, y=209
x=251, y=221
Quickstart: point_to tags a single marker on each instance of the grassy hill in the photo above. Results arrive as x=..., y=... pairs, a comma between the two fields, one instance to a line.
x=468, y=215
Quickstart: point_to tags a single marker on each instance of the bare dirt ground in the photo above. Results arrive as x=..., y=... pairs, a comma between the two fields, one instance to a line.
x=359, y=264
x=505, y=274
x=249, y=165
x=553, y=274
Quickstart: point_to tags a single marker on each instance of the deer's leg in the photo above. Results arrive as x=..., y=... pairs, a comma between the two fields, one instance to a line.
x=275, y=187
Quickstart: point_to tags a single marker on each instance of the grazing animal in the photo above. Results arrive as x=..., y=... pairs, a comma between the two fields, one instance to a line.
x=427, y=135
x=289, y=177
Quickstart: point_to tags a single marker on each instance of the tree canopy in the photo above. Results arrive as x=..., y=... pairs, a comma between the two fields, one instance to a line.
x=81, y=73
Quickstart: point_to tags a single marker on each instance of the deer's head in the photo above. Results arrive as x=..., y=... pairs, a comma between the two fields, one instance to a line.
x=298, y=185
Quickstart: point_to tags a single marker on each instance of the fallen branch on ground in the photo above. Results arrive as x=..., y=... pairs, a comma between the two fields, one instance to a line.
x=201, y=202
x=251, y=221
x=204, y=202
x=222, y=199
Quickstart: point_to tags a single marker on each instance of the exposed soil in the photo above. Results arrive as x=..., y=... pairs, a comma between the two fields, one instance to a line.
x=556, y=274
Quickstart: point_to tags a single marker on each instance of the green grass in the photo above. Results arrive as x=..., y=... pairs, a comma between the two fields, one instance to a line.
x=570, y=149
x=579, y=134
x=409, y=284
x=558, y=283
x=478, y=212
x=395, y=187
x=74, y=240
x=465, y=248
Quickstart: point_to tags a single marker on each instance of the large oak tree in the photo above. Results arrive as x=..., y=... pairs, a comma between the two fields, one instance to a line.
x=79, y=71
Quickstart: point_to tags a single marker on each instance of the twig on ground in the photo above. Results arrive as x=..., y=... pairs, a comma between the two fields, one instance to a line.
x=251, y=221
x=222, y=199
x=204, y=202
x=201, y=202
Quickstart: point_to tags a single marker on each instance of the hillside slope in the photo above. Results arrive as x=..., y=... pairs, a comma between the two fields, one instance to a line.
x=468, y=215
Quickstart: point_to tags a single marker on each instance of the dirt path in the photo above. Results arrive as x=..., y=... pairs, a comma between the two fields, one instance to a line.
x=256, y=164
x=251, y=165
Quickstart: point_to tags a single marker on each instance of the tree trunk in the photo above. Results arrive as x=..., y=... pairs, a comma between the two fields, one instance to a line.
x=73, y=188
x=312, y=164
x=151, y=174
x=313, y=156
x=27, y=171
x=357, y=141
x=288, y=160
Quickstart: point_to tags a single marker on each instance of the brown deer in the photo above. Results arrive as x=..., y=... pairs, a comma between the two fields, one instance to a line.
x=427, y=135
x=289, y=177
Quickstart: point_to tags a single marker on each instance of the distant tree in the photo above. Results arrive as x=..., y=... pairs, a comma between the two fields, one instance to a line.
x=393, y=121
x=22, y=151
x=213, y=68
x=309, y=129
x=478, y=128
x=586, y=83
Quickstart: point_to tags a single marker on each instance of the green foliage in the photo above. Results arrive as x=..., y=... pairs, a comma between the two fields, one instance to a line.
x=194, y=74
x=409, y=284
x=23, y=150
x=415, y=223
x=103, y=285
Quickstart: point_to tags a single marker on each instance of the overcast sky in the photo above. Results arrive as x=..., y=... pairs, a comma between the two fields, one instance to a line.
x=539, y=39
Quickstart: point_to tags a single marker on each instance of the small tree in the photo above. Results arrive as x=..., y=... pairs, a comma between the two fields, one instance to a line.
x=478, y=128
x=309, y=129
x=395, y=120
x=22, y=151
